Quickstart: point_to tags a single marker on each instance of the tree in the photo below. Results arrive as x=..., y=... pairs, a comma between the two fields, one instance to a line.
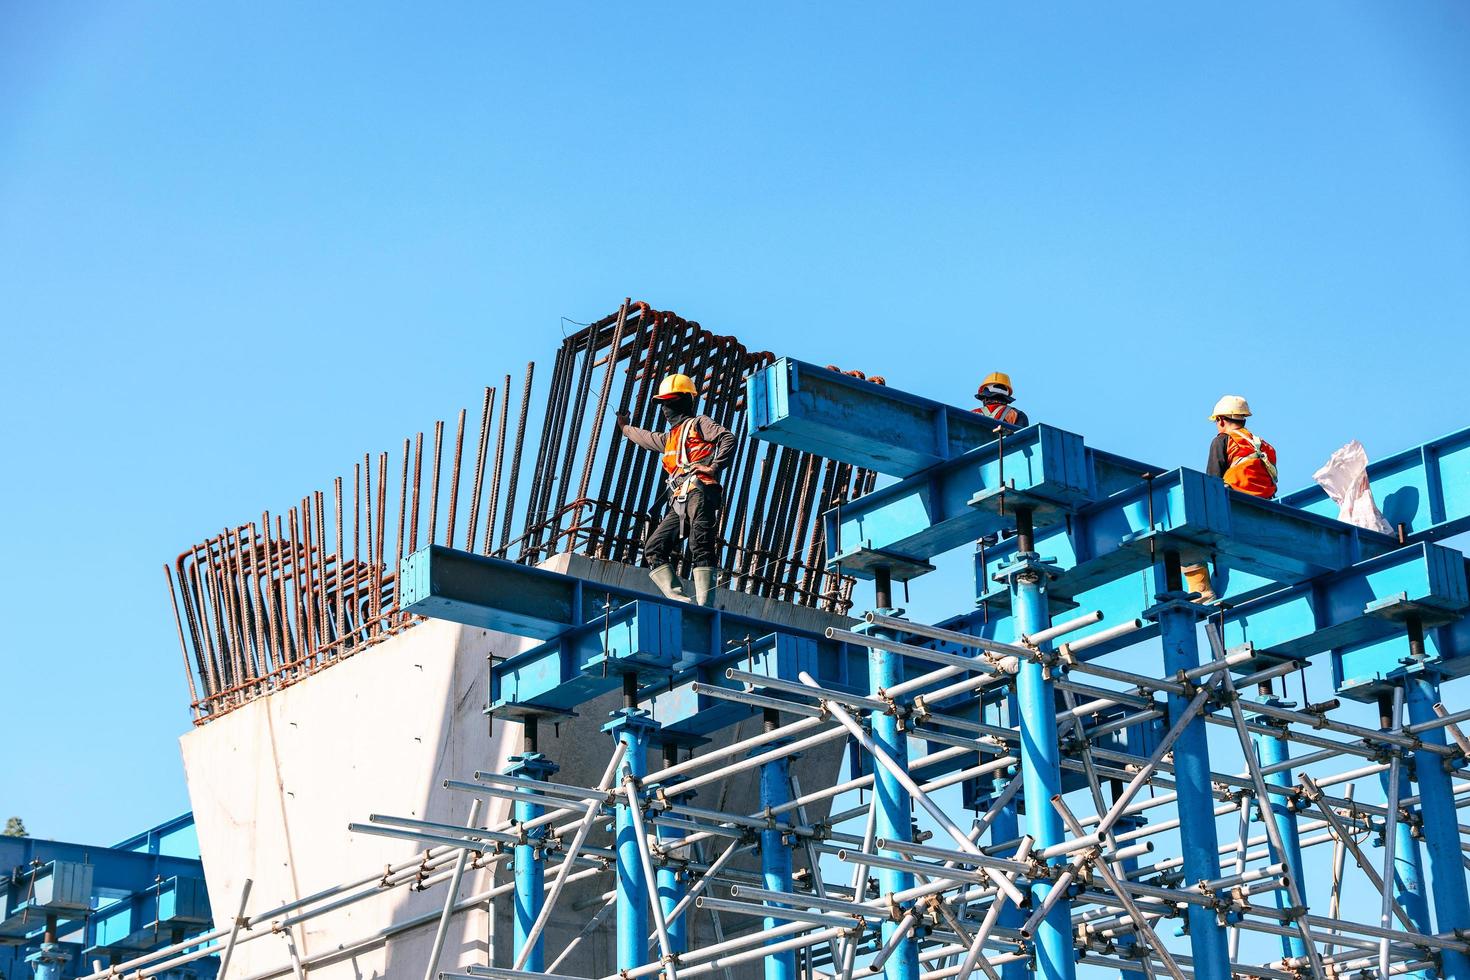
x=14, y=827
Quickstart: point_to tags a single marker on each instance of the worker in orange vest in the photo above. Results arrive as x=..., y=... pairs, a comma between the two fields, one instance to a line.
x=1243, y=460
x=694, y=451
x=995, y=396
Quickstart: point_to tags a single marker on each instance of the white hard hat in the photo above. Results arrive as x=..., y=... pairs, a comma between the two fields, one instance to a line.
x=1231, y=406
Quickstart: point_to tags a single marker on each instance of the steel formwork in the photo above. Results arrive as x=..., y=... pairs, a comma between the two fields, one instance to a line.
x=1144, y=797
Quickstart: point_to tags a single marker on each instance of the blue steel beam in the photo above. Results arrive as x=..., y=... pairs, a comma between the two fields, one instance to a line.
x=1356, y=611
x=1100, y=530
x=121, y=870
x=840, y=417
x=1363, y=671
x=596, y=633
x=1426, y=488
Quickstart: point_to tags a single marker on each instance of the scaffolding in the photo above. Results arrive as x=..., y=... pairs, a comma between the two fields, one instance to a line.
x=1096, y=722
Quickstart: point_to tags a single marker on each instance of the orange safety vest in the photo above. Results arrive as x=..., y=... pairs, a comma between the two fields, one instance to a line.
x=683, y=450
x=1252, y=467
x=999, y=411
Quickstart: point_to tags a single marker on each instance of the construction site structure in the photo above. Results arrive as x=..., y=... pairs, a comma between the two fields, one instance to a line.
x=1082, y=772
x=68, y=909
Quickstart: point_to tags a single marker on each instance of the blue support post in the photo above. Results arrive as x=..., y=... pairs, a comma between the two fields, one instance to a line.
x=1408, y=870
x=634, y=729
x=893, y=821
x=1041, y=762
x=1441, y=822
x=1200, y=843
x=530, y=862
x=1272, y=750
x=47, y=962
x=776, y=867
x=672, y=881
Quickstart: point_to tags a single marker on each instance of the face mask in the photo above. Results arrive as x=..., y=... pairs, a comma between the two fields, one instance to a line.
x=675, y=410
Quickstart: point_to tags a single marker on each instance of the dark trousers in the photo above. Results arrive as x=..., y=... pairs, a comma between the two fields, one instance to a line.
x=702, y=520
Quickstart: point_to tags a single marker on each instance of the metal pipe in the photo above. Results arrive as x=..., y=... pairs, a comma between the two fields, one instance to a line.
x=1061, y=629
x=1275, y=760
x=240, y=920
x=650, y=879
x=584, y=826
x=436, y=948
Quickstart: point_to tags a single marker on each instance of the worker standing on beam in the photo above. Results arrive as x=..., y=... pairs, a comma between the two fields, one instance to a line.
x=996, y=396
x=1244, y=461
x=695, y=450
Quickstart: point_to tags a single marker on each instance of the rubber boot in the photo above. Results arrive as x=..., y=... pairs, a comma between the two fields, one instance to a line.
x=668, y=583
x=1197, y=579
x=704, y=585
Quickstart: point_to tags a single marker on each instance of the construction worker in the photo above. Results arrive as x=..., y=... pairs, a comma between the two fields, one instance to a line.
x=1244, y=461
x=995, y=396
x=695, y=450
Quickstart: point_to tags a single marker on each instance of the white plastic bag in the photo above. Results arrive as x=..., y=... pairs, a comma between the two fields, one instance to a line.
x=1345, y=478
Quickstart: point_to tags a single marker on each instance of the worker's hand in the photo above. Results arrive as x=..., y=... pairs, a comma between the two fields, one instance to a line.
x=624, y=420
x=704, y=470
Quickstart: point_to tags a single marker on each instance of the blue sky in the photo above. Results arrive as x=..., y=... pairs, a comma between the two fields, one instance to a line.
x=241, y=245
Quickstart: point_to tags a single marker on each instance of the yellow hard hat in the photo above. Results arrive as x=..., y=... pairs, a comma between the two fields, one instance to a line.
x=1231, y=406
x=994, y=380
x=675, y=385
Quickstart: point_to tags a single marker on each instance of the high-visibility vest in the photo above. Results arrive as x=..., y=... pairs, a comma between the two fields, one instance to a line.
x=1252, y=467
x=683, y=450
x=999, y=411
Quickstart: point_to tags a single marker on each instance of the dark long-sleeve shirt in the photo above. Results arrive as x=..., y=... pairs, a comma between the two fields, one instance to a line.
x=1219, y=460
x=705, y=427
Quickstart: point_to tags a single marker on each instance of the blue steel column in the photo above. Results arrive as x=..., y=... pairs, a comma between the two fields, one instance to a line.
x=1271, y=750
x=47, y=962
x=672, y=880
x=1200, y=842
x=1441, y=823
x=892, y=820
x=634, y=729
x=530, y=863
x=776, y=867
x=1041, y=754
x=1408, y=873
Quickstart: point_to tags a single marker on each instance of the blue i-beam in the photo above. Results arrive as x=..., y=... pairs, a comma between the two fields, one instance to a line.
x=1272, y=750
x=892, y=821
x=1441, y=822
x=775, y=853
x=634, y=729
x=1200, y=843
x=1041, y=763
x=530, y=864
x=1408, y=870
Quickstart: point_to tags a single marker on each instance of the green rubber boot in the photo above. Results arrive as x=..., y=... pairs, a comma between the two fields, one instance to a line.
x=704, y=586
x=668, y=583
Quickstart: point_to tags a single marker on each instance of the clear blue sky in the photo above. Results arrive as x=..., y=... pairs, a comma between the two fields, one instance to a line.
x=241, y=245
